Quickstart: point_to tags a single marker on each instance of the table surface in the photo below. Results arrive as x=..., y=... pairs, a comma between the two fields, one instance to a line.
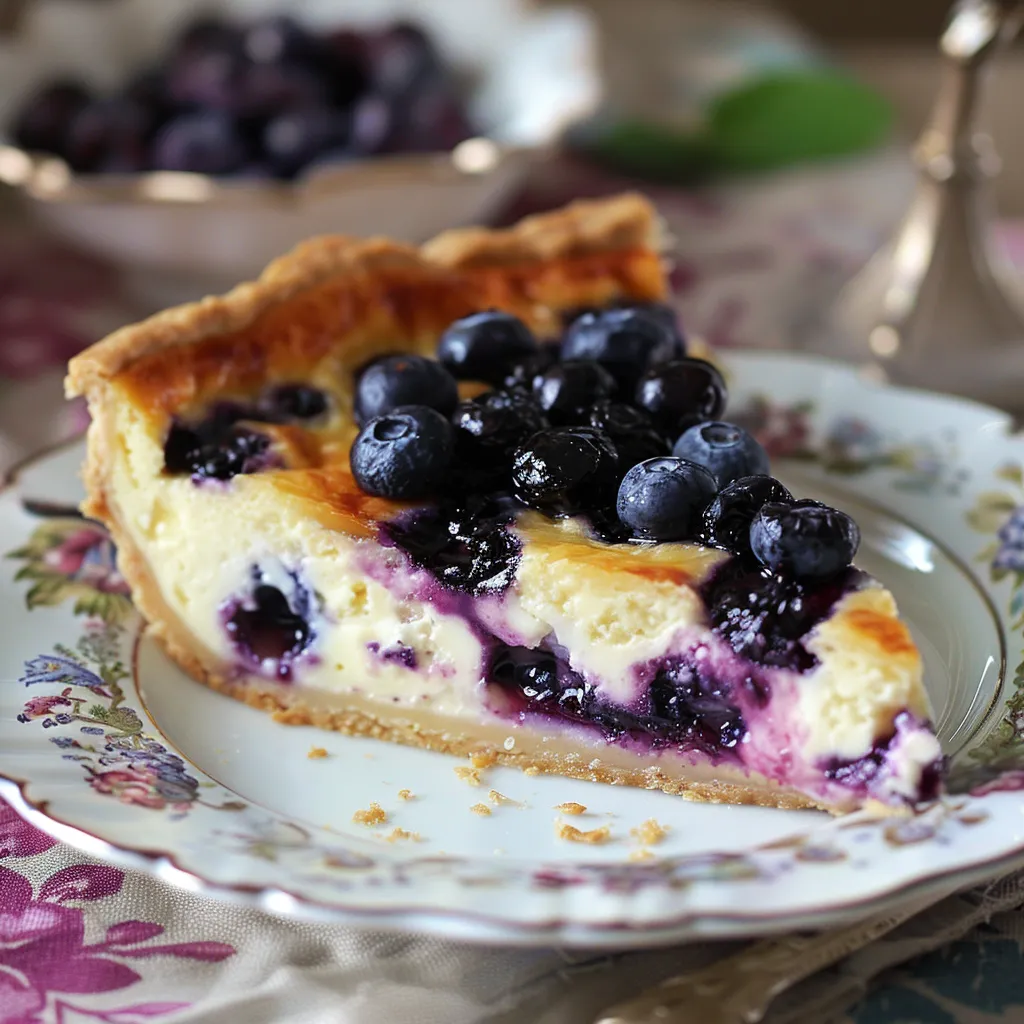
x=83, y=941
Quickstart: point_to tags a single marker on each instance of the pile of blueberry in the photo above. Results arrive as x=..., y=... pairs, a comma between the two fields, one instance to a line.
x=614, y=423
x=267, y=99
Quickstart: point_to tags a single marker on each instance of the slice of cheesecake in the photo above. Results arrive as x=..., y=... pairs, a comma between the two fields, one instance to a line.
x=451, y=581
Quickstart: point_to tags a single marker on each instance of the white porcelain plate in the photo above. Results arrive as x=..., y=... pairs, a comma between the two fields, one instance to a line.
x=108, y=746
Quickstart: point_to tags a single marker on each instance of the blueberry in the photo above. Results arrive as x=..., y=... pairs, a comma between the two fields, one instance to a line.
x=217, y=448
x=403, y=454
x=665, y=313
x=295, y=138
x=277, y=39
x=401, y=58
x=404, y=380
x=109, y=135
x=292, y=402
x=566, y=471
x=484, y=346
x=523, y=371
x=725, y=450
x=664, y=498
x=681, y=393
x=492, y=425
x=803, y=539
x=625, y=341
x=204, y=143
x=567, y=391
x=466, y=544
x=45, y=118
x=727, y=519
x=630, y=431
x=269, y=629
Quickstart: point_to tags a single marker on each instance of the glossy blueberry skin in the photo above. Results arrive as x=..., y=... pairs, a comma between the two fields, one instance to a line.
x=295, y=138
x=664, y=498
x=403, y=454
x=495, y=423
x=680, y=393
x=403, y=380
x=269, y=629
x=726, y=451
x=566, y=471
x=624, y=341
x=522, y=372
x=726, y=522
x=630, y=431
x=216, y=450
x=568, y=391
x=204, y=143
x=804, y=539
x=485, y=345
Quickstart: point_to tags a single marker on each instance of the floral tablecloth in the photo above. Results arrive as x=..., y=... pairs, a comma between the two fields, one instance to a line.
x=84, y=941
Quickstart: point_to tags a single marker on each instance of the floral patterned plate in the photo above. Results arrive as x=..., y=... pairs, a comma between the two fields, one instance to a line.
x=106, y=745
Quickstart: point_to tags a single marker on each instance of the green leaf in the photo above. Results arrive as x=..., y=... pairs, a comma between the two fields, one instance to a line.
x=650, y=150
x=788, y=117
x=990, y=511
x=1011, y=472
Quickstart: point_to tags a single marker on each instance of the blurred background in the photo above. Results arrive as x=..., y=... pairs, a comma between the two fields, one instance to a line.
x=152, y=151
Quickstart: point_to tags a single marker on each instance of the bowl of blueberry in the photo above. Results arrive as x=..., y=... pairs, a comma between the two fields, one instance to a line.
x=205, y=152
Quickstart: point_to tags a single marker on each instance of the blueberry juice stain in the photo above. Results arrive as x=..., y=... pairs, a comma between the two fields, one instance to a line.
x=683, y=708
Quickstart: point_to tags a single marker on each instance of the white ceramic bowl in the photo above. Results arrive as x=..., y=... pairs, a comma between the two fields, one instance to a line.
x=181, y=234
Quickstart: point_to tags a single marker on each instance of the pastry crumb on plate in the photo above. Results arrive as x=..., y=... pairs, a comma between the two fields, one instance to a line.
x=373, y=815
x=571, y=808
x=406, y=794
x=482, y=809
x=593, y=837
x=317, y=753
x=650, y=832
x=400, y=833
x=468, y=774
x=499, y=798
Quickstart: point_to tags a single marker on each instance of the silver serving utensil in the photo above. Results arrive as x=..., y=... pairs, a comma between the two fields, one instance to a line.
x=930, y=309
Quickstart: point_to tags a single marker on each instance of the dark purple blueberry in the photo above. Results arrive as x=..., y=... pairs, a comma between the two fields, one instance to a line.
x=148, y=88
x=109, y=136
x=682, y=704
x=766, y=618
x=522, y=372
x=266, y=628
x=292, y=402
x=294, y=139
x=625, y=341
x=630, y=430
x=401, y=57
x=204, y=143
x=465, y=544
x=404, y=380
x=803, y=539
x=45, y=118
x=216, y=450
x=344, y=63
x=725, y=450
x=568, y=391
x=202, y=34
x=208, y=76
x=278, y=39
x=727, y=519
x=566, y=471
x=373, y=124
x=432, y=119
x=680, y=393
x=404, y=454
x=667, y=315
x=266, y=91
x=531, y=671
x=664, y=498
x=494, y=424
x=483, y=346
